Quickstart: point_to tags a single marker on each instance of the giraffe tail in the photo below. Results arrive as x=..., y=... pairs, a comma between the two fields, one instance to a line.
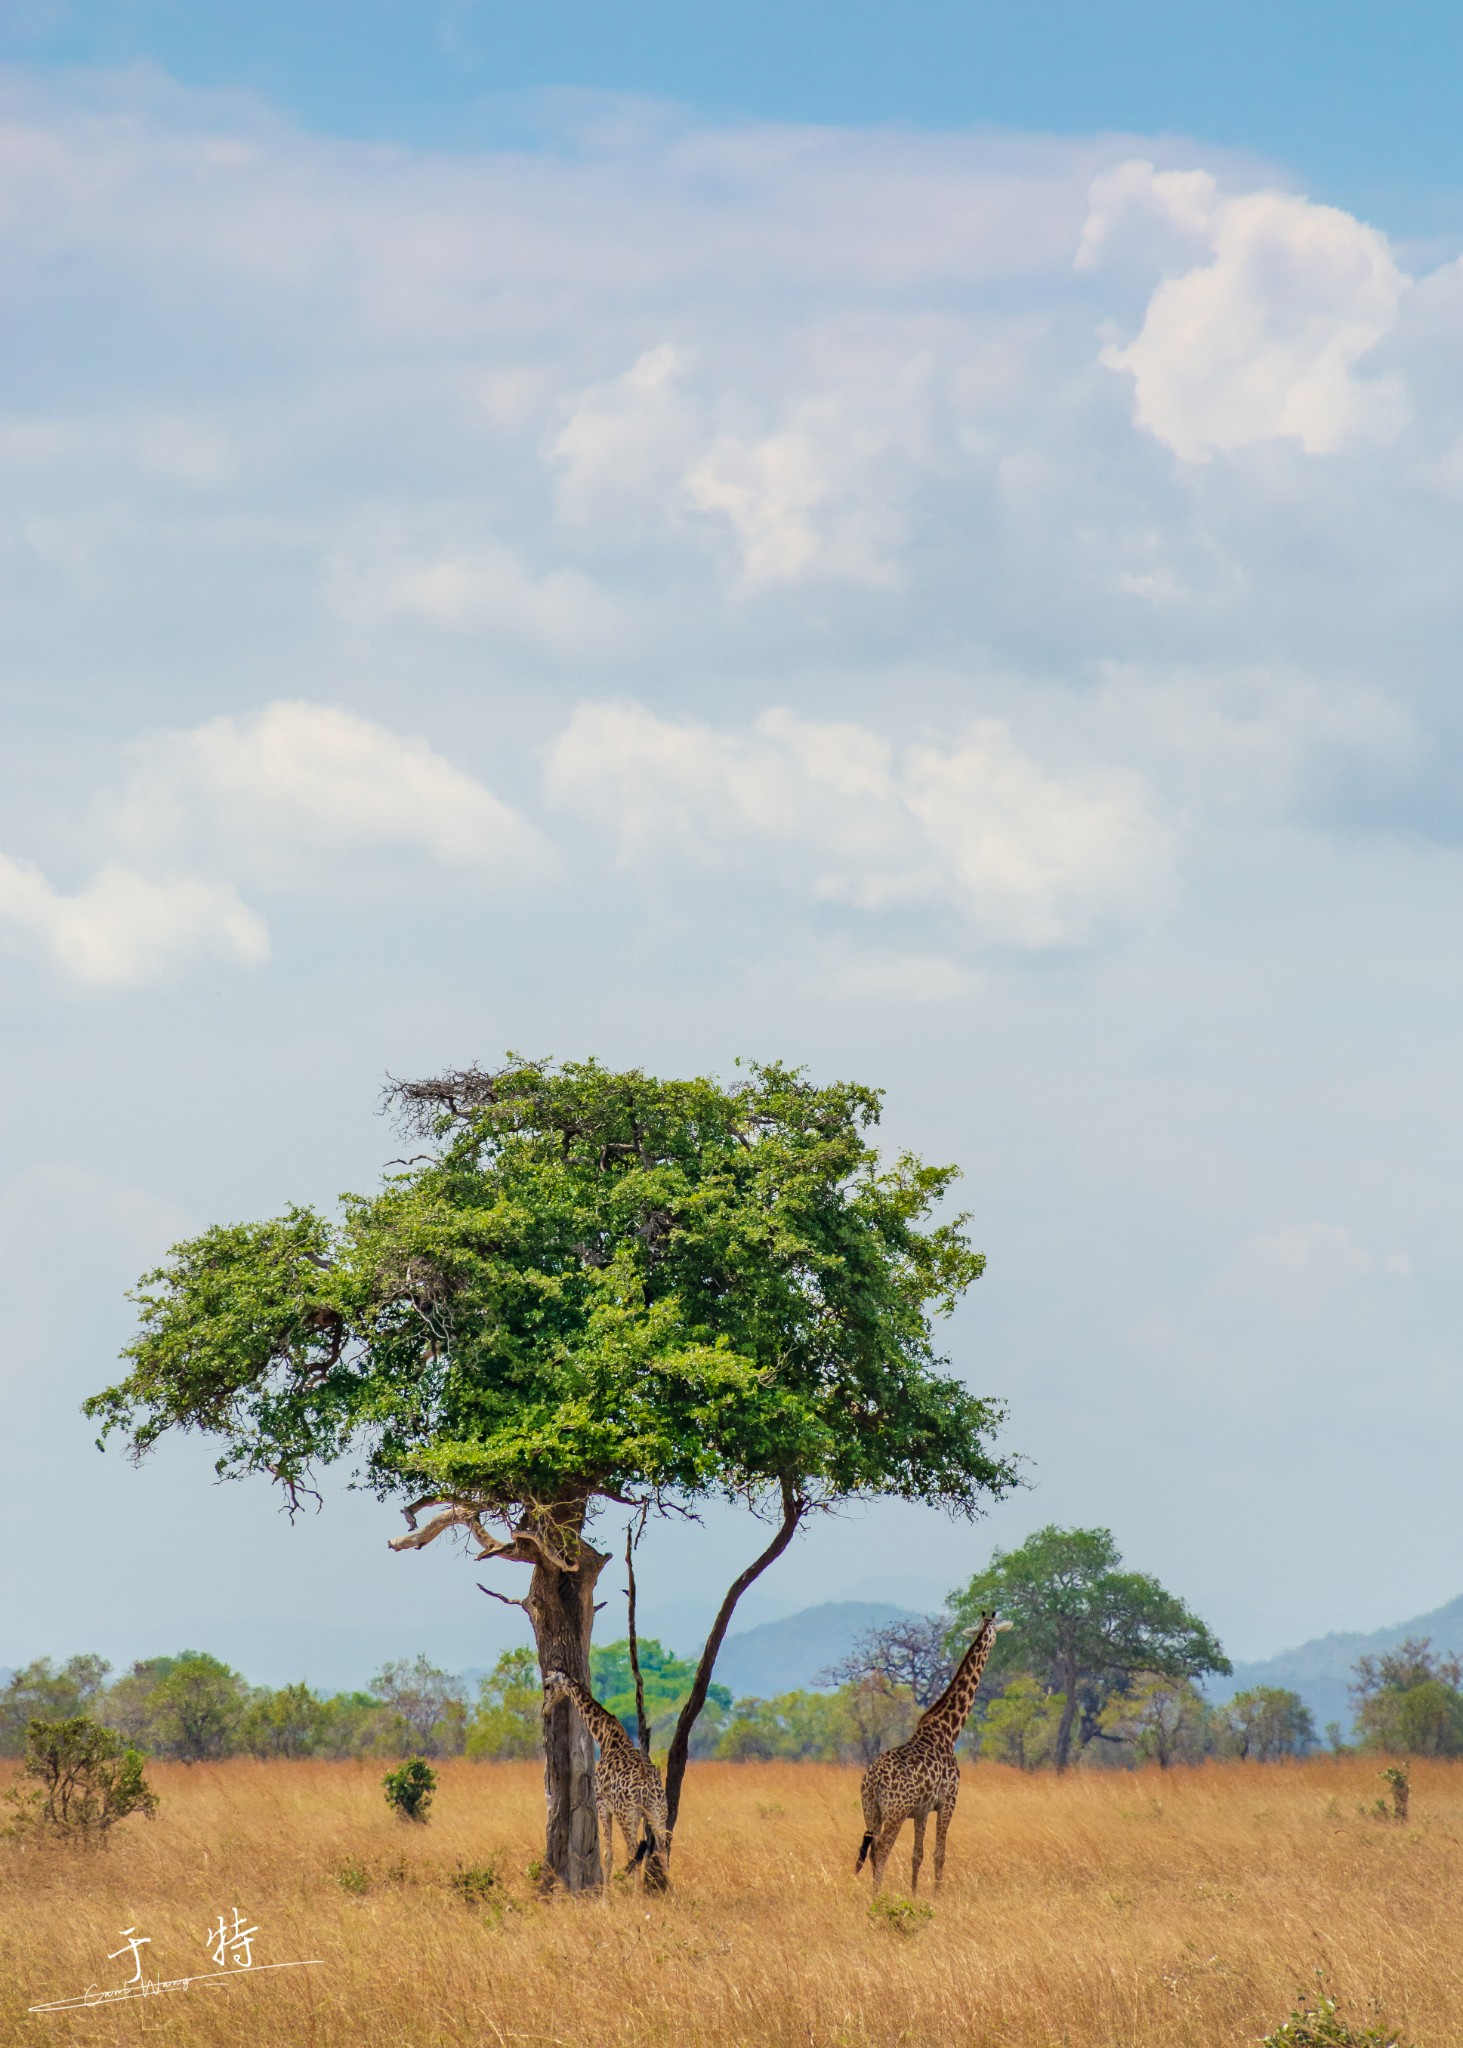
x=863, y=1849
x=647, y=1847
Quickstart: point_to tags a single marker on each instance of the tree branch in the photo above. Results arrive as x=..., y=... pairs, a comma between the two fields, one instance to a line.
x=794, y=1507
x=506, y=1599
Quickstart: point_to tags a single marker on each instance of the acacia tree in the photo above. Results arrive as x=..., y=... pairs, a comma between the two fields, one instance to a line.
x=592, y=1288
x=1081, y=1621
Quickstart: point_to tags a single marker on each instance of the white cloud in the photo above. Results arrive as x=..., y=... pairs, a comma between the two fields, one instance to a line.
x=307, y=780
x=474, y=588
x=123, y=928
x=1031, y=859
x=1261, y=343
x=620, y=452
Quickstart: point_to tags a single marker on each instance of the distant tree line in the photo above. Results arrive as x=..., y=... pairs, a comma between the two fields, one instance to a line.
x=1102, y=1668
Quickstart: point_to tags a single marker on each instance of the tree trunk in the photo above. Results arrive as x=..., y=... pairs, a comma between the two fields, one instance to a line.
x=560, y=1605
x=1069, y=1715
x=793, y=1510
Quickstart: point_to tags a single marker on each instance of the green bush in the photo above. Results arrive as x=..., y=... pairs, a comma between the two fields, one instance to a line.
x=900, y=1916
x=88, y=1780
x=478, y=1886
x=1316, y=2022
x=409, y=1788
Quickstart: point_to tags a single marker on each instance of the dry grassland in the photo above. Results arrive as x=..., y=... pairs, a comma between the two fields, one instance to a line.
x=1146, y=1910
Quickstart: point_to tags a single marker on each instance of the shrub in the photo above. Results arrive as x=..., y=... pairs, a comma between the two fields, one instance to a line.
x=89, y=1780
x=477, y=1886
x=1316, y=2022
x=409, y=1788
x=900, y=1916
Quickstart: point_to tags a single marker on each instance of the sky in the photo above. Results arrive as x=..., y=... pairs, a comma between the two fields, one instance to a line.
x=922, y=544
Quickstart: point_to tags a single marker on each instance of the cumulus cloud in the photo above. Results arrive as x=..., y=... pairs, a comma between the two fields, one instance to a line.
x=275, y=796
x=1262, y=342
x=1031, y=859
x=124, y=928
x=303, y=780
x=641, y=454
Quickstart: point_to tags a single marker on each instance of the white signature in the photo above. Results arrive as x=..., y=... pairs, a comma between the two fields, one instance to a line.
x=231, y=1947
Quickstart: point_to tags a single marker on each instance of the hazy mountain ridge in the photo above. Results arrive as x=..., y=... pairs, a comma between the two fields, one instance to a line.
x=1321, y=1670
x=792, y=1654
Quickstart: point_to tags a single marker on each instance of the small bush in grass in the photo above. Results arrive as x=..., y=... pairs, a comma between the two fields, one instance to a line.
x=477, y=1886
x=353, y=1877
x=89, y=1780
x=1316, y=2022
x=1399, y=1777
x=409, y=1788
x=900, y=1916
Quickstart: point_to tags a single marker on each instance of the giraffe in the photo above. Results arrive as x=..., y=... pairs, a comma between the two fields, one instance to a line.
x=627, y=1785
x=921, y=1775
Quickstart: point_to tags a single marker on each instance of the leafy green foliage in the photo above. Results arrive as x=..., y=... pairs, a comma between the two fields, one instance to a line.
x=195, y=1708
x=904, y=1917
x=507, y=1721
x=1268, y=1722
x=409, y=1788
x=599, y=1280
x=1020, y=1725
x=1315, y=2022
x=88, y=1781
x=667, y=1679
x=1084, y=1624
x=477, y=1884
x=1164, y=1719
x=1409, y=1701
x=43, y=1692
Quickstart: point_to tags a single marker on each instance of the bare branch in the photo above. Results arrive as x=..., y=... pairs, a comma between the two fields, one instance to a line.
x=506, y=1598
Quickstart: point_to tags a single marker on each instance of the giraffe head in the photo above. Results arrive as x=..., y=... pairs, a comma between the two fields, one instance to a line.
x=556, y=1685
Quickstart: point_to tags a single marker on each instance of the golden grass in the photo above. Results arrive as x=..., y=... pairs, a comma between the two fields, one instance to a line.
x=1148, y=1909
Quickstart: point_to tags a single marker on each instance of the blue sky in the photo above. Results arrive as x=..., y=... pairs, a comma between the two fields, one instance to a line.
x=677, y=547
x=1357, y=97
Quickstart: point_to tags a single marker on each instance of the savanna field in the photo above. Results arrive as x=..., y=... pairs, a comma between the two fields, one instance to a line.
x=1104, y=1908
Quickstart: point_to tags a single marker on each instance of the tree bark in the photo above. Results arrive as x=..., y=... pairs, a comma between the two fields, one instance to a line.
x=793, y=1510
x=560, y=1605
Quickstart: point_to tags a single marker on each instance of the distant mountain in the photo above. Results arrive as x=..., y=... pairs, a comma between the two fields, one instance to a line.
x=1321, y=1670
x=791, y=1654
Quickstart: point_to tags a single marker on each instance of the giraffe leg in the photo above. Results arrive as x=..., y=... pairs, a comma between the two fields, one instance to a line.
x=607, y=1839
x=919, y=1851
x=883, y=1843
x=944, y=1814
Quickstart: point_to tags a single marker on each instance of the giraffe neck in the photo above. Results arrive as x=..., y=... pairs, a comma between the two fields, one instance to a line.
x=948, y=1715
x=602, y=1724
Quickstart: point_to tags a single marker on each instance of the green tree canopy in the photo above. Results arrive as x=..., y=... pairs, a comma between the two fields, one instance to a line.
x=43, y=1691
x=593, y=1287
x=666, y=1677
x=1267, y=1722
x=1081, y=1620
x=1410, y=1700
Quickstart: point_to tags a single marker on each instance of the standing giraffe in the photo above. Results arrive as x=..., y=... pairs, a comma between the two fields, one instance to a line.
x=921, y=1775
x=627, y=1785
